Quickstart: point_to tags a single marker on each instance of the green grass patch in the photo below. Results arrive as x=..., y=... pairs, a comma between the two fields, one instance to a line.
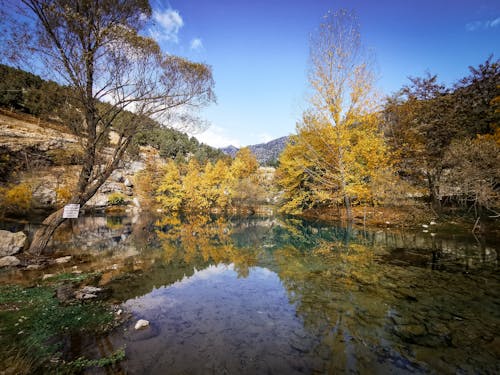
x=83, y=363
x=31, y=320
x=73, y=277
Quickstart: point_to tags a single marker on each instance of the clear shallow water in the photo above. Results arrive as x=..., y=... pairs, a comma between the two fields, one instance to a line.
x=284, y=297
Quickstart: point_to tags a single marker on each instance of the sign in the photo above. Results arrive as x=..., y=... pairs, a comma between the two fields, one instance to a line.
x=71, y=211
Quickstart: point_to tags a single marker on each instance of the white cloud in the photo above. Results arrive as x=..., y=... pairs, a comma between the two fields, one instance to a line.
x=168, y=24
x=196, y=44
x=483, y=25
x=215, y=137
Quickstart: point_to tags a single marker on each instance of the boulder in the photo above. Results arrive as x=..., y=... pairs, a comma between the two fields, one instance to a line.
x=98, y=201
x=90, y=292
x=11, y=243
x=9, y=261
x=128, y=183
x=44, y=197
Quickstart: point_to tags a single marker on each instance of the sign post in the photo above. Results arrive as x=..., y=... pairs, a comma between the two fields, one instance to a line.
x=71, y=211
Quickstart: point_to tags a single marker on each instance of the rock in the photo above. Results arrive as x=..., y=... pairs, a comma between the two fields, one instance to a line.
x=141, y=323
x=432, y=223
x=9, y=261
x=136, y=166
x=34, y=267
x=91, y=289
x=98, y=201
x=47, y=276
x=136, y=202
x=61, y=260
x=84, y=296
x=425, y=226
x=89, y=292
x=111, y=187
x=44, y=197
x=128, y=183
x=11, y=243
x=117, y=176
x=65, y=293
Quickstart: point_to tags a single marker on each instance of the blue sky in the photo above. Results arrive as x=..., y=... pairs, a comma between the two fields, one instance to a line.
x=259, y=51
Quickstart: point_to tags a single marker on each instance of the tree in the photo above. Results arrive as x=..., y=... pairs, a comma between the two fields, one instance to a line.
x=97, y=49
x=338, y=135
x=425, y=117
x=169, y=193
x=419, y=129
x=473, y=176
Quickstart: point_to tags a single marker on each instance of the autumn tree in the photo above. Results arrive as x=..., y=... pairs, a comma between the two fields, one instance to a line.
x=98, y=50
x=425, y=118
x=169, y=194
x=338, y=135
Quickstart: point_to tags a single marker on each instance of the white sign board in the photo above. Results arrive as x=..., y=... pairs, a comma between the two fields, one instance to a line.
x=71, y=211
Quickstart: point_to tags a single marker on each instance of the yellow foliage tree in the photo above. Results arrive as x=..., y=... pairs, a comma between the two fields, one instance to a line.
x=245, y=164
x=169, y=193
x=338, y=141
x=192, y=188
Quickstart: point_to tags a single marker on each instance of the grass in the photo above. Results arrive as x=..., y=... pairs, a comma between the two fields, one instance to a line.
x=32, y=320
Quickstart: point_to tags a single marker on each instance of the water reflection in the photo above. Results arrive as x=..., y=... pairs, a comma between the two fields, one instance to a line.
x=268, y=295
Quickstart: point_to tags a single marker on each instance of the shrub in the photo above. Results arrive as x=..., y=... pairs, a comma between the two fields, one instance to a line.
x=16, y=199
x=116, y=199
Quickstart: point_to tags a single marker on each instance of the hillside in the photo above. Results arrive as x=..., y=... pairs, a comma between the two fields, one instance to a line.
x=266, y=153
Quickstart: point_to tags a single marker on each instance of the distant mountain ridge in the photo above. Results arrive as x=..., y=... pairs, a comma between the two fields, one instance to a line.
x=266, y=153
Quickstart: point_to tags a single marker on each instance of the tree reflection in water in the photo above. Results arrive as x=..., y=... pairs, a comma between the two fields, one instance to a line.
x=326, y=298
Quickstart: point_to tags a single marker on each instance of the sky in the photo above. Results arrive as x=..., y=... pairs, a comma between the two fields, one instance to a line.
x=259, y=51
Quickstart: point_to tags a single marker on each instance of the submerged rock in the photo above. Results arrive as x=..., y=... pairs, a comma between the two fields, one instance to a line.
x=9, y=261
x=11, y=243
x=141, y=323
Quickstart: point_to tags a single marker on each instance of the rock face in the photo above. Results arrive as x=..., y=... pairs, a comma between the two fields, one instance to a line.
x=11, y=243
x=9, y=261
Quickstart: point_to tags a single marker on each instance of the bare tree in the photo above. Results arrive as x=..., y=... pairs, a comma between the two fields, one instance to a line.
x=118, y=77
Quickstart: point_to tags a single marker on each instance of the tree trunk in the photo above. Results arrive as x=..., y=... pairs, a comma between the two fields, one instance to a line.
x=433, y=194
x=348, y=209
x=43, y=234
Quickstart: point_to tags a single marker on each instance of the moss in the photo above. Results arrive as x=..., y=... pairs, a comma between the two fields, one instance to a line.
x=31, y=320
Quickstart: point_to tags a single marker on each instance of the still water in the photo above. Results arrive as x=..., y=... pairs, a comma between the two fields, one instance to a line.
x=281, y=296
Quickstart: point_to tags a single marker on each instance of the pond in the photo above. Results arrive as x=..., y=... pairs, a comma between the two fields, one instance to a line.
x=284, y=296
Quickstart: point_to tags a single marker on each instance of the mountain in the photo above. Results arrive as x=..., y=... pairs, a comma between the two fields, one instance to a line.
x=230, y=150
x=266, y=153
